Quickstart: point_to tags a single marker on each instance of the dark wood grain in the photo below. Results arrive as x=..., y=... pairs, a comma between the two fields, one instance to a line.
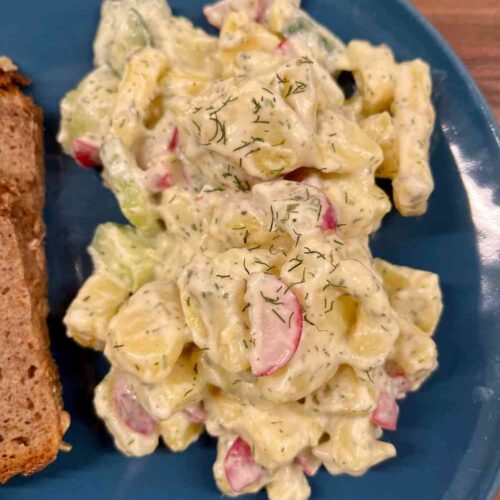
x=473, y=30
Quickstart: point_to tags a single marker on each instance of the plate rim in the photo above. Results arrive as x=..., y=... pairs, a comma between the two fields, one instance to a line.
x=480, y=102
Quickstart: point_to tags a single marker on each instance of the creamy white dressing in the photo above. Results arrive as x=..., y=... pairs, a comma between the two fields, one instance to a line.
x=238, y=156
x=126, y=440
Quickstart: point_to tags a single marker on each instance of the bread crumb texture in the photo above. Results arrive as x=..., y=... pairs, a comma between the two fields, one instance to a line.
x=32, y=421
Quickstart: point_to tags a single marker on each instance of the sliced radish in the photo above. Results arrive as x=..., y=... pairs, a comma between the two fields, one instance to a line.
x=159, y=174
x=86, y=152
x=195, y=413
x=240, y=467
x=130, y=411
x=276, y=323
x=328, y=222
x=296, y=207
x=163, y=182
x=386, y=413
x=286, y=47
x=174, y=141
x=308, y=462
x=328, y=219
x=281, y=47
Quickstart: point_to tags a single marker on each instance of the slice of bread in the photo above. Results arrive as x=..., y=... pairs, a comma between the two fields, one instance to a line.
x=32, y=421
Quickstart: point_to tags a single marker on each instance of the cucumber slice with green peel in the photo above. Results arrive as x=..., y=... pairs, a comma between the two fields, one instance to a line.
x=298, y=25
x=314, y=33
x=131, y=36
x=86, y=110
x=122, y=174
x=126, y=254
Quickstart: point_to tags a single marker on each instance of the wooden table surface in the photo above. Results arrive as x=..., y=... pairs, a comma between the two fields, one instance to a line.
x=472, y=28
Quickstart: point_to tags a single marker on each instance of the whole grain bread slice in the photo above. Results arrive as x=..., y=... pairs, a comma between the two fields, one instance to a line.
x=32, y=420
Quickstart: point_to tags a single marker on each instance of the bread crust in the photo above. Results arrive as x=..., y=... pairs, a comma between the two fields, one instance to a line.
x=32, y=420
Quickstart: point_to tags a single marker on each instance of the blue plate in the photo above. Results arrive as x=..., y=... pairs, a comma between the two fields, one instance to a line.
x=448, y=440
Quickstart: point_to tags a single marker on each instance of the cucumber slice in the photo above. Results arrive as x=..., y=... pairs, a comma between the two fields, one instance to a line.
x=122, y=174
x=317, y=36
x=131, y=36
x=86, y=110
x=127, y=255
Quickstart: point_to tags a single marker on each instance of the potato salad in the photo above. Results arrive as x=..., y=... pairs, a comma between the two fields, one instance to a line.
x=242, y=298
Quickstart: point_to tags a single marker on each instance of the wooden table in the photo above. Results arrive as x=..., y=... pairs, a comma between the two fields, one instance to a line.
x=472, y=27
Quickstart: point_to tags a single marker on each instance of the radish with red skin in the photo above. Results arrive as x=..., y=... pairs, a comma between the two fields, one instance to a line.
x=130, y=411
x=286, y=48
x=276, y=323
x=386, y=412
x=195, y=413
x=240, y=468
x=86, y=153
x=328, y=220
x=308, y=462
x=281, y=47
x=164, y=182
x=315, y=211
x=174, y=141
x=159, y=177
x=328, y=223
